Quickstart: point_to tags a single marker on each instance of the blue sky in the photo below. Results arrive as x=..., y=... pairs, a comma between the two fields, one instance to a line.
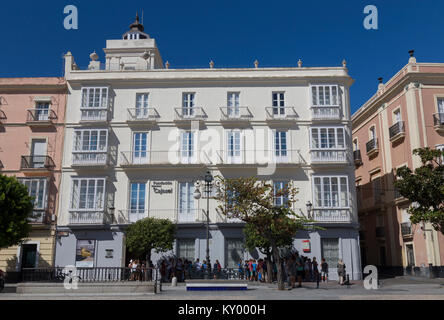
x=231, y=33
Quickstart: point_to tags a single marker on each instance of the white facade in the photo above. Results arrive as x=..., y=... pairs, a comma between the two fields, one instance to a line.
x=143, y=135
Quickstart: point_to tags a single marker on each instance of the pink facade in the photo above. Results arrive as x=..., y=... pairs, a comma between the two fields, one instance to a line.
x=406, y=113
x=32, y=113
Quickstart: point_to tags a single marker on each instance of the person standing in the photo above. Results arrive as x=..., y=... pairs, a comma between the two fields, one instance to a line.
x=315, y=272
x=324, y=270
x=341, y=271
x=299, y=269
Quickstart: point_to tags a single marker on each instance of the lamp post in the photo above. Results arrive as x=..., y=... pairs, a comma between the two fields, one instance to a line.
x=208, y=179
x=309, y=207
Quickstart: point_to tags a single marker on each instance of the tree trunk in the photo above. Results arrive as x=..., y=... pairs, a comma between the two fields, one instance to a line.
x=269, y=267
x=277, y=259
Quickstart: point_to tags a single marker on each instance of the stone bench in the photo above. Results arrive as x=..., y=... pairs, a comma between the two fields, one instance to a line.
x=213, y=285
x=86, y=287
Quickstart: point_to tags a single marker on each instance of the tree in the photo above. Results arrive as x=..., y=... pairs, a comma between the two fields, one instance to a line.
x=15, y=208
x=150, y=233
x=253, y=202
x=255, y=240
x=424, y=188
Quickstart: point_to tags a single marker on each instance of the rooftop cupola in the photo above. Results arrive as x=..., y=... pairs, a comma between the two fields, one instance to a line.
x=136, y=31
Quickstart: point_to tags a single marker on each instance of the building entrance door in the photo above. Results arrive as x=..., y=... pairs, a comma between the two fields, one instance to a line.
x=29, y=256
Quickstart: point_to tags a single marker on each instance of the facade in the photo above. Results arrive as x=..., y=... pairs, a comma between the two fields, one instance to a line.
x=140, y=137
x=405, y=113
x=31, y=140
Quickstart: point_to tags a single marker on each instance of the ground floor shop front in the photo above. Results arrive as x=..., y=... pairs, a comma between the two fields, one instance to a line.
x=105, y=246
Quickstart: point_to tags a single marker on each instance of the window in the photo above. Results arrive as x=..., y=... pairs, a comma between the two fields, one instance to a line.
x=36, y=188
x=140, y=147
x=137, y=201
x=185, y=249
x=88, y=194
x=95, y=97
x=410, y=254
x=327, y=138
x=142, y=109
x=281, y=200
x=278, y=103
x=42, y=111
x=233, y=104
x=377, y=189
x=186, y=202
x=90, y=140
x=330, y=251
x=372, y=133
x=324, y=95
x=331, y=192
x=234, y=145
x=187, y=146
x=440, y=147
x=188, y=104
x=397, y=116
x=441, y=105
x=235, y=252
x=280, y=144
x=355, y=145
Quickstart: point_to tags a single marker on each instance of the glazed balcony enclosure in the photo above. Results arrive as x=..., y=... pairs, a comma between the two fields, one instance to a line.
x=332, y=215
x=328, y=156
x=95, y=216
x=325, y=113
x=86, y=159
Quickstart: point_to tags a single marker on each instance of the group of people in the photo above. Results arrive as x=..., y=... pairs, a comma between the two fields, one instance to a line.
x=253, y=270
x=184, y=269
x=140, y=270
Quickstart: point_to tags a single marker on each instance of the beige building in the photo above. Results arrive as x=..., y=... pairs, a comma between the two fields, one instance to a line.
x=405, y=113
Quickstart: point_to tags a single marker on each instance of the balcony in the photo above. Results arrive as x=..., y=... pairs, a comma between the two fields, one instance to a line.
x=2, y=117
x=93, y=115
x=88, y=217
x=281, y=114
x=372, y=147
x=186, y=115
x=40, y=117
x=438, y=121
x=397, y=131
x=406, y=229
x=242, y=158
x=221, y=218
x=328, y=156
x=331, y=215
x=357, y=157
x=235, y=115
x=89, y=159
x=37, y=163
x=128, y=216
x=38, y=216
x=380, y=232
x=325, y=113
x=147, y=116
x=162, y=158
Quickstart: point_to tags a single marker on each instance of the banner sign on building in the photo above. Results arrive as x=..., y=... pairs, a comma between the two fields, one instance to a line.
x=85, y=250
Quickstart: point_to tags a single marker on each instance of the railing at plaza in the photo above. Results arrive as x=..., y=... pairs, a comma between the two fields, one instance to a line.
x=83, y=274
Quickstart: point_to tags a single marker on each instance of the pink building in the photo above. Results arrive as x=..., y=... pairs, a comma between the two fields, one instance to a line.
x=32, y=113
x=405, y=113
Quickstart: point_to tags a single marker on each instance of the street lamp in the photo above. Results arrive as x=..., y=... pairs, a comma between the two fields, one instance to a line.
x=309, y=207
x=208, y=179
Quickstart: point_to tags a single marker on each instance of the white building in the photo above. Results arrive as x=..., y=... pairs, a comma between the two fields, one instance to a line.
x=140, y=136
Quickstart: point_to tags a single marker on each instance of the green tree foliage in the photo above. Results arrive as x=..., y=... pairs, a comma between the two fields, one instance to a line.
x=15, y=208
x=253, y=201
x=148, y=234
x=424, y=188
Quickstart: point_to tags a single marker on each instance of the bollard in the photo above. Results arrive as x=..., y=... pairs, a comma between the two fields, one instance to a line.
x=174, y=282
x=347, y=281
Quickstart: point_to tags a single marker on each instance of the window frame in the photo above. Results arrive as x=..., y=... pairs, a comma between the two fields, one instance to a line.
x=339, y=191
x=87, y=99
x=325, y=85
x=89, y=143
x=96, y=208
x=318, y=128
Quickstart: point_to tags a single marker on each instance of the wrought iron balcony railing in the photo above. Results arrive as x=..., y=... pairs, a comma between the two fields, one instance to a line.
x=325, y=113
x=372, y=145
x=406, y=229
x=255, y=157
x=357, y=157
x=40, y=116
x=235, y=114
x=38, y=216
x=37, y=162
x=89, y=217
x=328, y=156
x=332, y=215
x=81, y=158
x=396, y=130
x=94, y=114
x=438, y=119
x=186, y=215
x=2, y=117
x=189, y=113
x=281, y=113
x=148, y=114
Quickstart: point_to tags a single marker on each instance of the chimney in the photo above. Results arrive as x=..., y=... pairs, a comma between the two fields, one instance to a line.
x=412, y=59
